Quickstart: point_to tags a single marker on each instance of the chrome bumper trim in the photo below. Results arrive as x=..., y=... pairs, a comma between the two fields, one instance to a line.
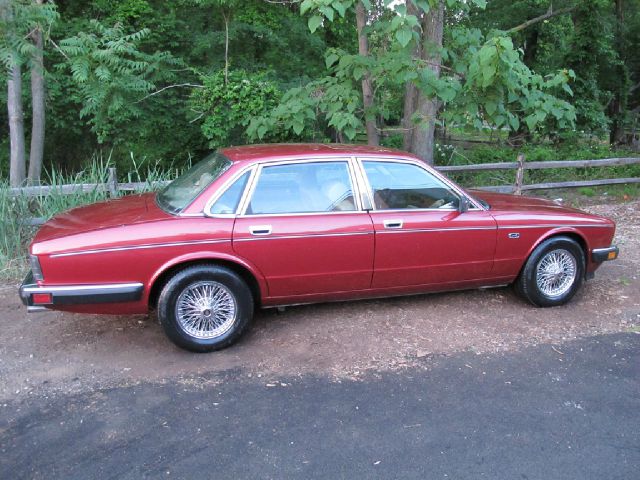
x=80, y=294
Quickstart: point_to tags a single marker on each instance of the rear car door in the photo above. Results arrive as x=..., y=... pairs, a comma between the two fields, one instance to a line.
x=303, y=227
x=421, y=237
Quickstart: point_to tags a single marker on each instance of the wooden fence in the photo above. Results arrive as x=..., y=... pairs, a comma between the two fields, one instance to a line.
x=520, y=165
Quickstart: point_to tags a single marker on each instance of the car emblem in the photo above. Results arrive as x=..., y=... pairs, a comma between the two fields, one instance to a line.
x=514, y=235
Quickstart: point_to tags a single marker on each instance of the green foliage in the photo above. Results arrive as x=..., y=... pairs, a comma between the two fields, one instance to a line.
x=227, y=108
x=309, y=109
x=499, y=89
x=19, y=19
x=111, y=74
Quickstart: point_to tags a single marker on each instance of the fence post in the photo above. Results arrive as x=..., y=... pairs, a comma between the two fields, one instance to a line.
x=519, y=174
x=112, y=183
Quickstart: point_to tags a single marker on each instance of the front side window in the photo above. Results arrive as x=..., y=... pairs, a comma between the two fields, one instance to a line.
x=406, y=186
x=183, y=190
x=303, y=188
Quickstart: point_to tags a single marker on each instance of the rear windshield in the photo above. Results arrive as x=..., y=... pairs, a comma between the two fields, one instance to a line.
x=183, y=190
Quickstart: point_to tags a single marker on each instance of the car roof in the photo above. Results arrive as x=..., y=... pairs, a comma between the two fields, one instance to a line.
x=251, y=153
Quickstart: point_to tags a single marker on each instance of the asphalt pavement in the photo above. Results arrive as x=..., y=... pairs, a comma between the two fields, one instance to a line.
x=569, y=411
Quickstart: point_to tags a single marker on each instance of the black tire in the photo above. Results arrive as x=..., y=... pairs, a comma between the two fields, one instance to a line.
x=527, y=283
x=219, y=279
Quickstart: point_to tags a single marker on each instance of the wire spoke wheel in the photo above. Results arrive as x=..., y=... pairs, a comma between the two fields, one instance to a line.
x=556, y=272
x=206, y=310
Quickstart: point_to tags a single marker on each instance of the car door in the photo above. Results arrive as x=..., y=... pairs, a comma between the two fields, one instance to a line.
x=303, y=228
x=421, y=236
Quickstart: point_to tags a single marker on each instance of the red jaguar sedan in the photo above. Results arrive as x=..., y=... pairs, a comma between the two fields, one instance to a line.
x=272, y=225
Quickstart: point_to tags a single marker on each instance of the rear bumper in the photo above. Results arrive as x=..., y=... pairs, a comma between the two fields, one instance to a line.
x=77, y=294
x=599, y=255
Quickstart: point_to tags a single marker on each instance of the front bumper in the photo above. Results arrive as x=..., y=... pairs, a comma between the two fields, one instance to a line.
x=76, y=294
x=599, y=255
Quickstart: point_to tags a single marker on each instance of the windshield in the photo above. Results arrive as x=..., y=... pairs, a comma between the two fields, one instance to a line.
x=183, y=190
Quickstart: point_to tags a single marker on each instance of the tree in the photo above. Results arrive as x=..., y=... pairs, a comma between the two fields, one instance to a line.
x=36, y=152
x=484, y=80
x=420, y=140
x=12, y=61
x=24, y=22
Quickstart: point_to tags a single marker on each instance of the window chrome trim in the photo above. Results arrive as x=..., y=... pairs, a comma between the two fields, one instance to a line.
x=456, y=189
x=242, y=210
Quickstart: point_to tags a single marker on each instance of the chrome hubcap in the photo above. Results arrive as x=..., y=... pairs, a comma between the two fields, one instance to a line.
x=206, y=310
x=556, y=273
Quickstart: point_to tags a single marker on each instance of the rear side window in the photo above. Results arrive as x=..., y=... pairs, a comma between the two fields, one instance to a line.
x=303, y=188
x=228, y=202
x=406, y=186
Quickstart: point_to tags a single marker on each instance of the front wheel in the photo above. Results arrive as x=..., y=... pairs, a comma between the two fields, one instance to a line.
x=553, y=273
x=205, y=308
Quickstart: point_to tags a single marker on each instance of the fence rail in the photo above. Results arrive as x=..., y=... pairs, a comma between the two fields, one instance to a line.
x=520, y=166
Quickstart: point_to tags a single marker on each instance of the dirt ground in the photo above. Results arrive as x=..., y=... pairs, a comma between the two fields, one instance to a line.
x=49, y=353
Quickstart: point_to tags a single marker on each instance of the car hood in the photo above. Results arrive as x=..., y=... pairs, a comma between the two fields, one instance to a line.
x=127, y=210
x=503, y=201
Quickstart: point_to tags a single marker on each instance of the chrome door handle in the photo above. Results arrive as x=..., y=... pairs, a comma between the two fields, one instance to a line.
x=260, y=229
x=395, y=223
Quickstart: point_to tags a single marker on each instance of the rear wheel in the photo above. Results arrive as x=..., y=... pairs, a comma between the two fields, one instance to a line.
x=205, y=308
x=553, y=273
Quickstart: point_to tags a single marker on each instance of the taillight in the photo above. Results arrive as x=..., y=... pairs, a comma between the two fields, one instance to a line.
x=35, y=268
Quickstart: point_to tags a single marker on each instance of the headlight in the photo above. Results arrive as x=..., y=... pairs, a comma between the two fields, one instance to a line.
x=35, y=268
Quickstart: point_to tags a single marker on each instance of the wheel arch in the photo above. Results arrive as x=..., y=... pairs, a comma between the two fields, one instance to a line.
x=249, y=274
x=571, y=233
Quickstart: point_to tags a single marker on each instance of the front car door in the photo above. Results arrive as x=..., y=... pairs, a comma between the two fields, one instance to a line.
x=421, y=237
x=303, y=227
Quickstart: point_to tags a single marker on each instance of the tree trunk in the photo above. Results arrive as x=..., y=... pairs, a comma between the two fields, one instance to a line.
x=619, y=103
x=410, y=93
x=427, y=107
x=410, y=96
x=14, y=108
x=367, y=92
x=36, y=152
x=226, y=47
x=16, y=126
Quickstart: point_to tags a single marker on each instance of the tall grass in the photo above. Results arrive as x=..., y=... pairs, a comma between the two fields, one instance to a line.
x=16, y=211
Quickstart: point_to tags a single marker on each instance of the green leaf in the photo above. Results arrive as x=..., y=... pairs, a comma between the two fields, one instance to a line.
x=423, y=5
x=447, y=94
x=350, y=132
x=531, y=122
x=358, y=73
x=331, y=59
x=327, y=12
x=314, y=22
x=305, y=6
x=491, y=107
x=514, y=122
x=404, y=36
x=339, y=7
x=298, y=126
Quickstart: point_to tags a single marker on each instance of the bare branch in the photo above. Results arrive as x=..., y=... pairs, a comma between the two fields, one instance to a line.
x=550, y=14
x=59, y=49
x=193, y=85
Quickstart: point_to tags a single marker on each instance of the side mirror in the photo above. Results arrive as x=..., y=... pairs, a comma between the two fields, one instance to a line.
x=463, y=205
